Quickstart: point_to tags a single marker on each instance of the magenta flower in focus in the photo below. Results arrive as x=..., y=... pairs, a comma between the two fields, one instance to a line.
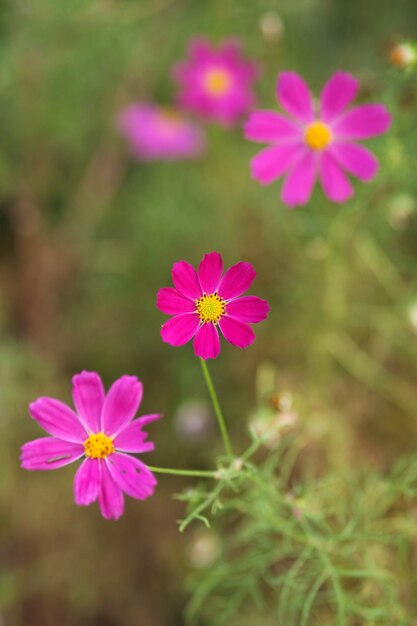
x=160, y=134
x=201, y=303
x=102, y=431
x=311, y=144
x=216, y=83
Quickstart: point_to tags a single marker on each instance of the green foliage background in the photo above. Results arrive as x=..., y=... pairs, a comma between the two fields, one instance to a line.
x=87, y=236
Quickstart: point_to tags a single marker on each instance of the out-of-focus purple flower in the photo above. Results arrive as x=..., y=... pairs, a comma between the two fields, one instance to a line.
x=157, y=133
x=311, y=143
x=216, y=83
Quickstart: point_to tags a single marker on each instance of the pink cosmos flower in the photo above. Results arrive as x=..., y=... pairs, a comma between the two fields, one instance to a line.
x=201, y=303
x=216, y=83
x=102, y=431
x=311, y=144
x=160, y=134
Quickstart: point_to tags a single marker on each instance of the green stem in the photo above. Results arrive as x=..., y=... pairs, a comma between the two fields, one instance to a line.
x=217, y=409
x=251, y=450
x=183, y=472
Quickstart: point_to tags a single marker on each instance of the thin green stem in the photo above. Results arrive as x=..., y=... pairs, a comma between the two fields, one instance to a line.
x=251, y=450
x=183, y=472
x=217, y=409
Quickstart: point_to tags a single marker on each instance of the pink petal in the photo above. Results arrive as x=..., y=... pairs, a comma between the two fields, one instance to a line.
x=210, y=272
x=48, y=453
x=272, y=162
x=356, y=159
x=200, y=48
x=171, y=302
x=131, y=475
x=121, y=404
x=236, y=280
x=298, y=185
x=132, y=438
x=57, y=419
x=362, y=122
x=147, y=419
x=186, y=280
x=110, y=497
x=87, y=482
x=268, y=126
x=207, y=342
x=237, y=333
x=88, y=395
x=294, y=96
x=180, y=329
x=335, y=183
x=338, y=92
x=231, y=50
x=248, y=309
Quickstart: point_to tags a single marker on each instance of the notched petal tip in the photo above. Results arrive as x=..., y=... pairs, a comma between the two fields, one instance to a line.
x=294, y=95
x=36, y=404
x=210, y=272
x=91, y=373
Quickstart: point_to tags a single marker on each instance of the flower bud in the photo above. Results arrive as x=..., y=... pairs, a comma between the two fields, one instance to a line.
x=403, y=55
x=204, y=548
x=271, y=26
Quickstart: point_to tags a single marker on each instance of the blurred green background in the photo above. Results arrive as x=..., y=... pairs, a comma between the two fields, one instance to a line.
x=87, y=236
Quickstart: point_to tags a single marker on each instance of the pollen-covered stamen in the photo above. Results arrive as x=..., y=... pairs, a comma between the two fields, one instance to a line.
x=318, y=135
x=98, y=446
x=210, y=308
x=217, y=82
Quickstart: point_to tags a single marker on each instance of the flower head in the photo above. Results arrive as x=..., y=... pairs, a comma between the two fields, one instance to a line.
x=404, y=55
x=160, y=134
x=100, y=431
x=217, y=84
x=310, y=144
x=203, y=302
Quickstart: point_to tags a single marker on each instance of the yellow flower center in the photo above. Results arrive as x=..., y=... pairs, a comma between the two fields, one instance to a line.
x=217, y=82
x=210, y=308
x=318, y=136
x=98, y=446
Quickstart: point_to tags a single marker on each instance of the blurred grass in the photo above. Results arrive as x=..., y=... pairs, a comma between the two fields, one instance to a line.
x=88, y=236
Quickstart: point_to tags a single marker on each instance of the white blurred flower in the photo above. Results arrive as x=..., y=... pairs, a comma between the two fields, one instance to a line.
x=401, y=209
x=193, y=420
x=272, y=427
x=271, y=26
x=204, y=548
x=403, y=55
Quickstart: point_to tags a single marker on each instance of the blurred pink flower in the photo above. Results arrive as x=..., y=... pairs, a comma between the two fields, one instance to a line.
x=102, y=431
x=309, y=145
x=199, y=303
x=216, y=83
x=160, y=134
